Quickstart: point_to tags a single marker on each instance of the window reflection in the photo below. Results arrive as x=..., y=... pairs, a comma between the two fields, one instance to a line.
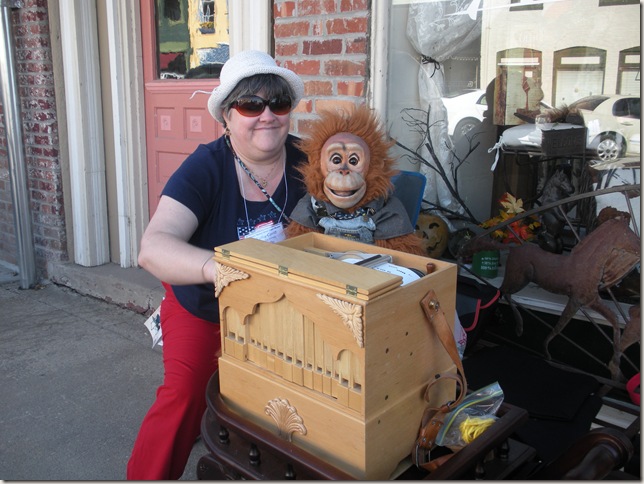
x=192, y=38
x=527, y=56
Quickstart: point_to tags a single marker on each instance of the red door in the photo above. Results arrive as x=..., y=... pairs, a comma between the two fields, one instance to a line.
x=176, y=121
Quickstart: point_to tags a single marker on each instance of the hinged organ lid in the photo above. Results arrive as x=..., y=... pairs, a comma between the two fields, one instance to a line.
x=333, y=275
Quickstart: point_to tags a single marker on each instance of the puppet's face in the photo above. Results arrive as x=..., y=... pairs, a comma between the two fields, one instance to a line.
x=345, y=163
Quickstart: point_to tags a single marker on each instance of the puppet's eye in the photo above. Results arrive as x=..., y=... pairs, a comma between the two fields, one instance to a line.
x=354, y=160
x=336, y=159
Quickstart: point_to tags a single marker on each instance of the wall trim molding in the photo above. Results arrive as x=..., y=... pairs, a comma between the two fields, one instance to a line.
x=81, y=68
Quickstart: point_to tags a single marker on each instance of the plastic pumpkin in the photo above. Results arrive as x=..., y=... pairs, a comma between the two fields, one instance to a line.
x=434, y=233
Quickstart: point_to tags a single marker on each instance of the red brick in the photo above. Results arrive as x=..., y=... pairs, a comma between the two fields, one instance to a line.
x=304, y=125
x=283, y=9
x=322, y=47
x=334, y=104
x=353, y=5
x=53, y=233
x=32, y=16
x=315, y=7
x=53, y=152
x=43, y=140
x=291, y=29
x=31, y=127
x=318, y=88
x=308, y=104
x=44, y=116
x=36, y=42
x=37, y=29
x=356, y=46
x=46, y=186
x=349, y=88
x=40, y=92
x=36, y=67
x=344, y=68
x=20, y=30
x=304, y=67
x=35, y=3
x=286, y=49
x=347, y=25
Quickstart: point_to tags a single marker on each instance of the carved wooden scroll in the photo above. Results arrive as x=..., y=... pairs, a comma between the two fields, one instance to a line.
x=350, y=313
x=226, y=275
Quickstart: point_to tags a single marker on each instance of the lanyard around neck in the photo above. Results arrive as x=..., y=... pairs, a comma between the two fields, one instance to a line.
x=259, y=185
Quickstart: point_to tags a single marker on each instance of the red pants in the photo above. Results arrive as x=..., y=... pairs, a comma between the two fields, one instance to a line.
x=190, y=350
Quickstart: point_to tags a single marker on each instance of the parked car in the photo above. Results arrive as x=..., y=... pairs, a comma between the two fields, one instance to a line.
x=613, y=124
x=464, y=112
x=612, y=121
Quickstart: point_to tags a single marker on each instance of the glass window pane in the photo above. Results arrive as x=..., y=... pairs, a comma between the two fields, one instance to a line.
x=444, y=55
x=192, y=38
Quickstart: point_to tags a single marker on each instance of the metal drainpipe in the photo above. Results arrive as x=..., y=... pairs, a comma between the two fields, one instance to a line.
x=15, y=149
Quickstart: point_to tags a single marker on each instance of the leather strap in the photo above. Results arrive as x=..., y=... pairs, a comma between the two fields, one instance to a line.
x=432, y=420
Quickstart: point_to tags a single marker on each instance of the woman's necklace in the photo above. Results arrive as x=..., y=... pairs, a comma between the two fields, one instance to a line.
x=263, y=181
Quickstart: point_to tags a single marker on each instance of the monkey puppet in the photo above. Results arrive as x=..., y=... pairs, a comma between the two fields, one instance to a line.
x=348, y=180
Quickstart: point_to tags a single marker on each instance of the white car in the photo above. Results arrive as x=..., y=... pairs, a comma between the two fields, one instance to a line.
x=464, y=112
x=613, y=124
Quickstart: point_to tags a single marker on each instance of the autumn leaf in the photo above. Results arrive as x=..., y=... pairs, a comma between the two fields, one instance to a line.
x=511, y=204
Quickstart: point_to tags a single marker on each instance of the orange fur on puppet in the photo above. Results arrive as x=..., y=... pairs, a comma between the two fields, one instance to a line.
x=348, y=179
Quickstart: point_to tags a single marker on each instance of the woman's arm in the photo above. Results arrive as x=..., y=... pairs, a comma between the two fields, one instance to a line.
x=165, y=251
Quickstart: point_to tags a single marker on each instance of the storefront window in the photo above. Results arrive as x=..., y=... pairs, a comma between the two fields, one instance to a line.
x=461, y=73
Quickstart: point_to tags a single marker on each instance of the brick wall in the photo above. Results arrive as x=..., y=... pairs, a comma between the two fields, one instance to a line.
x=35, y=81
x=325, y=42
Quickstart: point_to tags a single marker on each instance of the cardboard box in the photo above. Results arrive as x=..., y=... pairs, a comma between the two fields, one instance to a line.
x=333, y=356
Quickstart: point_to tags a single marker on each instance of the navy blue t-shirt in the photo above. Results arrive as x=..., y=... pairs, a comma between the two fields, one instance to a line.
x=207, y=183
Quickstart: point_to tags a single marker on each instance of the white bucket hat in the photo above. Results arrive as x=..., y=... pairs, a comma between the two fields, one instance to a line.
x=246, y=64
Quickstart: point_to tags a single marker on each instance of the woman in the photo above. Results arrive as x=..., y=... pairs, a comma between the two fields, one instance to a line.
x=243, y=184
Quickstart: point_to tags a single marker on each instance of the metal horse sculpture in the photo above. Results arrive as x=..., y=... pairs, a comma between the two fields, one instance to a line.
x=598, y=261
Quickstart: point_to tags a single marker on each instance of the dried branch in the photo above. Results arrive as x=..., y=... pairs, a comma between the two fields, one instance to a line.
x=413, y=117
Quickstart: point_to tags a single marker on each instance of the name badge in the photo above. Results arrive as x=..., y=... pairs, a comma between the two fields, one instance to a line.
x=268, y=231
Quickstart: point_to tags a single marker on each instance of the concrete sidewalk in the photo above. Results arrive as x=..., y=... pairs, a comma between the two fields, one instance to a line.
x=77, y=375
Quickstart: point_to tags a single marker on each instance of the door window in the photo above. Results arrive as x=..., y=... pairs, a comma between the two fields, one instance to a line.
x=192, y=38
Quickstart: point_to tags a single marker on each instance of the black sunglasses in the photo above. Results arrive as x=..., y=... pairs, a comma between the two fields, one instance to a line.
x=252, y=106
